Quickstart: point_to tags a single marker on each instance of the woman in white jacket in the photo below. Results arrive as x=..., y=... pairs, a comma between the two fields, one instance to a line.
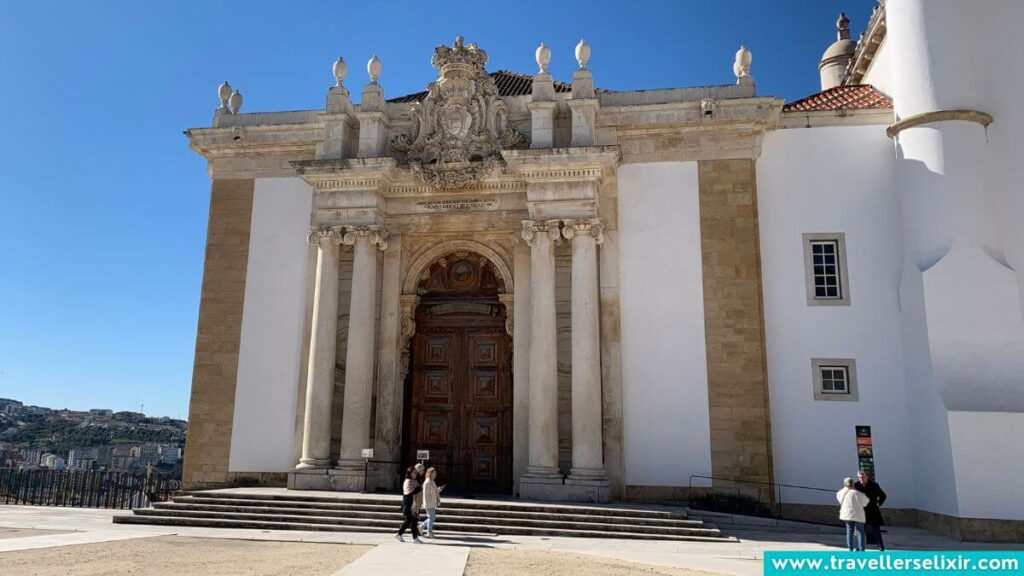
x=851, y=512
x=431, y=500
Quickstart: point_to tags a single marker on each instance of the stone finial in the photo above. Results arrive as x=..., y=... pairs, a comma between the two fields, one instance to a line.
x=235, y=101
x=582, y=53
x=373, y=69
x=224, y=92
x=339, y=69
x=843, y=27
x=741, y=68
x=543, y=57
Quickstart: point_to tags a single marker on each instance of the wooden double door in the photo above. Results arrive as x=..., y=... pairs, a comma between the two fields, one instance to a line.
x=459, y=401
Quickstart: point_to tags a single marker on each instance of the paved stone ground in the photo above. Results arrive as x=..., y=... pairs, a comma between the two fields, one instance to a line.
x=166, y=555
x=451, y=554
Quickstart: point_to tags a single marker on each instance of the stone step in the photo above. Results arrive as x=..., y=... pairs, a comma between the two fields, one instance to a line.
x=393, y=520
x=392, y=511
x=259, y=524
x=388, y=500
x=215, y=523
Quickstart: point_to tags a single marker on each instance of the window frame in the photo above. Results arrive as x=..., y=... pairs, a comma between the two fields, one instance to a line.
x=851, y=394
x=839, y=238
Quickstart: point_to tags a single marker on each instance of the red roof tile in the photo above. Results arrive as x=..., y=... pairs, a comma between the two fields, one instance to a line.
x=508, y=84
x=852, y=97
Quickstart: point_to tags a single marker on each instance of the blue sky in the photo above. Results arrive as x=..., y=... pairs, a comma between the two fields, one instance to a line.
x=103, y=207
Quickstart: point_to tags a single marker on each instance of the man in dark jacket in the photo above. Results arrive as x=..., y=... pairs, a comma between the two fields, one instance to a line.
x=873, y=515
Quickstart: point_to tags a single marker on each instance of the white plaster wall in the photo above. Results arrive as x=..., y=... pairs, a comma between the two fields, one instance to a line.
x=263, y=433
x=962, y=203
x=988, y=453
x=664, y=366
x=837, y=179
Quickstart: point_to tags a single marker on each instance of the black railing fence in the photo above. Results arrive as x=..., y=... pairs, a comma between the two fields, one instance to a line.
x=84, y=489
x=754, y=498
x=388, y=475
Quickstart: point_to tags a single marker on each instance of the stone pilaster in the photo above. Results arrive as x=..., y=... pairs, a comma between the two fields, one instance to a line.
x=734, y=321
x=542, y=472
x=373, y=122
x=542, y=111
x=583, y=105
x=359, y=357
x=316, y=429
x=212, y=403
x=587, y=481
x=340, y=124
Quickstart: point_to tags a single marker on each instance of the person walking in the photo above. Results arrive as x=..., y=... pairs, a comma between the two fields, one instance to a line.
x=851, y=512
x=873, y=521
x=431, y=500
x=410, y=488
x=417, y=503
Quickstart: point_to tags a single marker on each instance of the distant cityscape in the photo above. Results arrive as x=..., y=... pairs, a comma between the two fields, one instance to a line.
x=35, y=437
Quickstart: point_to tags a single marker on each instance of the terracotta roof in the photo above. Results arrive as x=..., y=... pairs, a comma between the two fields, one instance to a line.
x=508, y=83
x=853, y=97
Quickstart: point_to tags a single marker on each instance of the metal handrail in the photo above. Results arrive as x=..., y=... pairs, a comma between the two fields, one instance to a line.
x=468, y=493
x=774, y=487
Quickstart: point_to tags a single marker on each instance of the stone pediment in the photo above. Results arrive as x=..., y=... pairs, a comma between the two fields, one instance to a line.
x=461, y=127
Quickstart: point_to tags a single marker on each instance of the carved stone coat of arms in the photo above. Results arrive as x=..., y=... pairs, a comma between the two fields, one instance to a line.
x=461, y=126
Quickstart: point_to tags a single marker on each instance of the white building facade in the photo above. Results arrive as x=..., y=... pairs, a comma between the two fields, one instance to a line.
x=567, y=293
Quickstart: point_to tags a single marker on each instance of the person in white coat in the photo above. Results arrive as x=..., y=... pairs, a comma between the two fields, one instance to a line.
x=851, y=512
x=431, y=501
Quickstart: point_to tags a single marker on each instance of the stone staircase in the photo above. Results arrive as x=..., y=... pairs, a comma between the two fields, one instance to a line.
x=271, y=509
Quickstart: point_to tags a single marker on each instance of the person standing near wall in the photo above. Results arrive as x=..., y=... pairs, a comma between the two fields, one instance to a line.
x=873, y=521
x=410, y=488
x=851, y=512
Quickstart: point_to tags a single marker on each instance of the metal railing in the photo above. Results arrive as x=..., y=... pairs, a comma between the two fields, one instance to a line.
x=85, y=489
x=748, y=497
x=387, y=476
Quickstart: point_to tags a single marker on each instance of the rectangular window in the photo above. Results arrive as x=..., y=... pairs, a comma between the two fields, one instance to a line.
x=825, y=269
x=834, y=378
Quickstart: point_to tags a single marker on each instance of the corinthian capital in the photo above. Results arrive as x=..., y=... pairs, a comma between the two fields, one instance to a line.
x=324, y=236
x=590, y=227
x=534, y=228
x=375, y=234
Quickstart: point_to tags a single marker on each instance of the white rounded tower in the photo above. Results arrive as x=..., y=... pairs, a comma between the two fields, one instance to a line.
x=837, y=57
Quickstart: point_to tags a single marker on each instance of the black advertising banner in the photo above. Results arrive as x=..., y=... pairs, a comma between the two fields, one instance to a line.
x=865, y=450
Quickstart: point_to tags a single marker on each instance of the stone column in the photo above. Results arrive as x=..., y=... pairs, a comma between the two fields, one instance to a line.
x=542, y=476
x=355, y=419
x=388, y=418
x=587, y=481
x=521, y=365
x=316, y=429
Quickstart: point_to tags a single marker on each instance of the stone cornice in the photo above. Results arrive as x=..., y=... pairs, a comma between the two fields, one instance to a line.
x=589, y=163
x=867, y=46
x=707, y=130
x=757, y=113
x=982, y=118
x=241, y=140
x=348, y=174
x=822, y=118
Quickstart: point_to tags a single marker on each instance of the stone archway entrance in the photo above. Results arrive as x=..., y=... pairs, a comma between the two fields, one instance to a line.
x=458, y=393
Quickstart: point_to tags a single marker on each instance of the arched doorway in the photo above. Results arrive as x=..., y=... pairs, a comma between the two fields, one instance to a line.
x=458, y=392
